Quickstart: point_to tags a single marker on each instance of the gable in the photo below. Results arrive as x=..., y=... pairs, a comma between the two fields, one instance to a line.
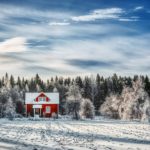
x=42, y=98
x=32, y=98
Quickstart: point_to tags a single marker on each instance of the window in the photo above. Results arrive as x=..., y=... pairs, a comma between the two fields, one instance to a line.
x=48, y=109
x=42, y=99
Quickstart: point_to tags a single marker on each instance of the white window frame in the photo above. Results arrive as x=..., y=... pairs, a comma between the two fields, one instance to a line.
x=42, y=99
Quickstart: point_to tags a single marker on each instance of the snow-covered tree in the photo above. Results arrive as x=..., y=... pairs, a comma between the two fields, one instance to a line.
x=26, y=88
x=55, y=90
x=4, y=96
x=87, y=109
x=9, y=109
x=15, y=93
x=8, y=98
x=93, y=89
x=38, y=88
x=110, y=106
x=133, y=103
x=73, y=101
x=7, y=83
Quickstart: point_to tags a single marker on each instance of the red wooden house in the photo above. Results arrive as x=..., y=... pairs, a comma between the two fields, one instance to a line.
x=42, y=104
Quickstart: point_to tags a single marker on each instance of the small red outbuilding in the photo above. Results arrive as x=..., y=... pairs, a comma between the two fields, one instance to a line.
x=42, y=104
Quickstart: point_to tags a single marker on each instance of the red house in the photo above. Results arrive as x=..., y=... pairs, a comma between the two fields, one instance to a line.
x=42, y=104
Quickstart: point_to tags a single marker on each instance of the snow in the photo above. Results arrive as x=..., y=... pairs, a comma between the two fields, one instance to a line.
x=67, y=134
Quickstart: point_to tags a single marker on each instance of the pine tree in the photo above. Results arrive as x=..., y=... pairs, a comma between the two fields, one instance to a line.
x=86, y=88
x=12, y=81
x=147, y=85
x=100, y=96
x=19, y=82
x=93, y=88
x=73, y=101
x=79, y=82
x=20, y=109
x=26, y=87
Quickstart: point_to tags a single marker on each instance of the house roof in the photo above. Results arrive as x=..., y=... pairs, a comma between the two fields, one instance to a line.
x=30, y=98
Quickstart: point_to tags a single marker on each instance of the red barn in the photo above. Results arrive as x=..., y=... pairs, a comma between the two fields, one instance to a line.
x=42, y=104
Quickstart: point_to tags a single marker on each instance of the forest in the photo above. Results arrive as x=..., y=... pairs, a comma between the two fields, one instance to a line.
x=117, y=97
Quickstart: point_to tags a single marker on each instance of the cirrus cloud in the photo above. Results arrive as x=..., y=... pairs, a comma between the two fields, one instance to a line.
x=59, y=23
x=138, y=8
x=16, y=44
x=108, y=13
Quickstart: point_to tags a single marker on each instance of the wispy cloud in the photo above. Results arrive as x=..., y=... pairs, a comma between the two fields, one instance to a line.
x=59, y=23
x=99, y=56
x=138, y=8
x=7, y=11
x=108, y=13
x=128, y=19
x=17, y=44
x=48, y=40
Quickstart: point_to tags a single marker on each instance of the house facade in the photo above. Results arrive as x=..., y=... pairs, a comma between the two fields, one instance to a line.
x=41, y=104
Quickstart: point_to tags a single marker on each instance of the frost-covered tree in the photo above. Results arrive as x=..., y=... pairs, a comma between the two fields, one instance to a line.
x=133, y=103
x=4, y=96
x=8, y=98
x=15, y=93
x=55, y=90
x=9, y=109
x=93, y=89
x=111, y=106
x=26, y=88
x=38, y=88
x=73, y=101
x=87, y=109
x=136, y=102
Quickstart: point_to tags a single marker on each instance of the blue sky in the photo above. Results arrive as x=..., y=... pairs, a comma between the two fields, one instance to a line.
x=74, y=37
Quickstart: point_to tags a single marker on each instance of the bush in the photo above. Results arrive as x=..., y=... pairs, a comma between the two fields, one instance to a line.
x=87, y=109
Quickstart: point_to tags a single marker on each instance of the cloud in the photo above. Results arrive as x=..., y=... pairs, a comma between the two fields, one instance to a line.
x=8, y=11
x=16, y=44
x=54, y=42
x=128, y=19
x=81, y=63
x=59, y=23
x=138, y=8
x=91, y=56
x=108, y=13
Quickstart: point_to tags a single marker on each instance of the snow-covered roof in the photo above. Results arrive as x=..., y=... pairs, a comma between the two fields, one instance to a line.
x=53, y=98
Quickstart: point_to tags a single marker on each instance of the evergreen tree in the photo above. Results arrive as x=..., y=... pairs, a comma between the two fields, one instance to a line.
x=73, y=101
x=19, y=82
x=79, y=82
x=12, y=81
x=86, y=88
x=147, y=85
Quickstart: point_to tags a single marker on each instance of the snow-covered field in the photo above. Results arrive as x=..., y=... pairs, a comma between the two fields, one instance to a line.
x=99, y=134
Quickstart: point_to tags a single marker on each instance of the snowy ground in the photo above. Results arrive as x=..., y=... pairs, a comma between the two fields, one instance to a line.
x=101, y=134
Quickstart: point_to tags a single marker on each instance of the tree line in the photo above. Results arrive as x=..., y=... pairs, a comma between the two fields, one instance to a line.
x=95, y=88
